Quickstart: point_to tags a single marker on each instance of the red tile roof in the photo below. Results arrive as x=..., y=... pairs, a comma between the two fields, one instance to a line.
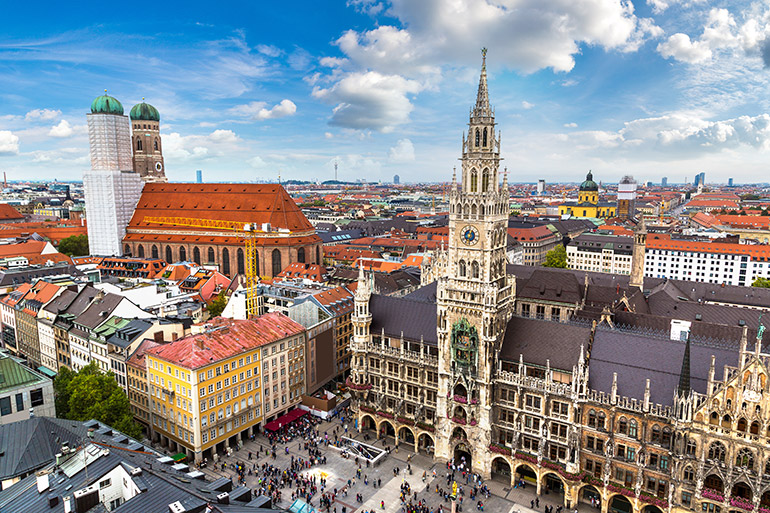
x=32, y=250
x=339, y=300
x=665, y=242
x=311, y=272
x=55, y=232
x=226, y=338
x=534, y=233
x=744, y=221
x=8, y=213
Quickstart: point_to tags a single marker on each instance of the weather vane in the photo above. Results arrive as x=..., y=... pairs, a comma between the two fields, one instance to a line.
x=484, y=52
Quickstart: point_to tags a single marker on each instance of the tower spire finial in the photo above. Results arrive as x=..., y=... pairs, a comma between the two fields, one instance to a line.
x=684, y=375
x=482, y=98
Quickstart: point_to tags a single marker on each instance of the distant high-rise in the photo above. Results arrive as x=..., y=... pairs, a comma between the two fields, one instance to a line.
x=729, y=182
x=112, y=187
x=540, y=187
x=396, y=179
x=148, y=151
x=626, y=197
x=198, y=176
x=664, y=181
x=700, y=179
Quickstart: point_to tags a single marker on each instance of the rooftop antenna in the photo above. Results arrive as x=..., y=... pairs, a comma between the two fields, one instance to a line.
x=335, y=169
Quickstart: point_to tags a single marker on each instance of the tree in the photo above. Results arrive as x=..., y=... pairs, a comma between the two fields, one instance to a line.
x=92, y=394
x=61, y=394
x=77, y=245
x=761, y=282
x=557, y=257
x=217, y=305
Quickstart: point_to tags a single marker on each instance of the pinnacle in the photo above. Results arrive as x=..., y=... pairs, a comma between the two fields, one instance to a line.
x=482, y=98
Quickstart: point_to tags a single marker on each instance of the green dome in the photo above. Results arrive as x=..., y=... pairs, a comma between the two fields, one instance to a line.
x=106, y=104
x=145, y=111
x=589, y=184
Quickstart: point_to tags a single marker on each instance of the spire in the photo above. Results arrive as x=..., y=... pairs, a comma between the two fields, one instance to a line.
x=684, y=375
x=482, y=108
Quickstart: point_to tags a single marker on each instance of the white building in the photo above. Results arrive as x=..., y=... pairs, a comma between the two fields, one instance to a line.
x=600, y=253
x=23, y=391
x=112, y=188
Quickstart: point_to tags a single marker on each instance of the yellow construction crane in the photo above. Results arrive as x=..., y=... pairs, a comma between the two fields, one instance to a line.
x=248, y=231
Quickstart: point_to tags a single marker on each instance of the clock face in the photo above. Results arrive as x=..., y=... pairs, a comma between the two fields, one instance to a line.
x=470, y=235
x=158, y=167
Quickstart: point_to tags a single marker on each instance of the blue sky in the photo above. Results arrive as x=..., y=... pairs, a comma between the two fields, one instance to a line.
x=248, y=90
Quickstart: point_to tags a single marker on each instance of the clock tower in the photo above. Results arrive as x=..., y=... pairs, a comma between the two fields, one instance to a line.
x=147, y=148
x=474, y=298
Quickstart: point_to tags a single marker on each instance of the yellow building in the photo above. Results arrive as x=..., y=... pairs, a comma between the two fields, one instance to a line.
x=205, y=389
x=588, y=204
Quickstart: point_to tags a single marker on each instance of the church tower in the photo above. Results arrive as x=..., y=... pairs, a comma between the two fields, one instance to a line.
x=148, y=151
x=475, y=296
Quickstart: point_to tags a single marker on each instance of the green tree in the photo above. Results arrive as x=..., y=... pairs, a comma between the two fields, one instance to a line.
x=761, y=282
x=77, y=245
x=766, y=212
x=217, y=305
x=61, y=393
x=557, y=257
x=92, y=394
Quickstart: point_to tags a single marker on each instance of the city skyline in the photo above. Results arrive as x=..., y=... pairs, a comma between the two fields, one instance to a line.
x=656, y=88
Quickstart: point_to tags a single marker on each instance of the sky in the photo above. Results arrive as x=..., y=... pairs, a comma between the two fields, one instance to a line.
x=248, y=91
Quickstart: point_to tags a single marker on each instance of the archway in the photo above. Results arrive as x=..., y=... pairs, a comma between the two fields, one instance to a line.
x=501, y=470
x=460, y=415
x=742, y=490
x=715, y=483
x=462, y=456
x=406, y=435
x=459, y=435
x=619, y=504
x=590, y=495
x=651, y=509
x=387, y=432
x=460, y=390
x=525, y=474
x=765, y=500
x=426, y=444
x=367, y=423
x=553, y=484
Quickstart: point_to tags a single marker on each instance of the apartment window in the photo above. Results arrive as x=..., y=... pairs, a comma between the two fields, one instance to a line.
x=5, y=406
x=532, y=402
x=36, y=397
x=19, y=402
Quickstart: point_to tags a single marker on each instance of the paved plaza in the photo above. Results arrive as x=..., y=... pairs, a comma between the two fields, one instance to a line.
x=338, y=470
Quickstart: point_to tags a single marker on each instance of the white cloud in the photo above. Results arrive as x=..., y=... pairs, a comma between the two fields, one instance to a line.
x=328, y=135
x=658, y=6
x=219, y=143
x=680, y=47
x=269, y=50
x=403, y=151
x=570, y=125
x=258, y=111
x=63, y=129
x=256, y=162
x=9, y=143
x=42, y=115
x=526, y=105
x=223, y=136
x=369, y=100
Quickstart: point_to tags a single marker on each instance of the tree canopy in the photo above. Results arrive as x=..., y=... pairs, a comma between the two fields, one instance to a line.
x=557, y=257
x=761, y=282
x=92, y=394
x=217, y=305
x=77, y=245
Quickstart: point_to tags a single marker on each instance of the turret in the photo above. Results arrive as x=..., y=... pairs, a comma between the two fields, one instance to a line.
x=637, y=257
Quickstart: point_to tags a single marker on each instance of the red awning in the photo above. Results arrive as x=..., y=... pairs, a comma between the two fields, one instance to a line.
x=285, y=420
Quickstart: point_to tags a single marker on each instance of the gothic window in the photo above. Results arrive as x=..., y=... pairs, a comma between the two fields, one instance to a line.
x=156, y=145
x=169, y=258
x=623, y=426
x=475, y=269
x=745, y=458
x=211, y=256
x=689, y=475
x=226, y=261
x=632, y=429
x=754, y=426
x=317, y=255
x=726, y=422
x=717, y=452
x=196, y=255
x=601, y=420
x=691, y=448
x=141, y=251
x=485, y=137
x=714, y=418
x=139, y=143
x=591, y=418
x=742, y=425
x=474, y=181
x=240, y=263
x=301, y=255
x=473, y=210
x=182, y=254
x=127, y=250
x=277, y=262
x=466, y=212
x=462, y=269
x=485, y=179
x=154, y=251
x=665, y=440
x=465, y=340
x=478, y=137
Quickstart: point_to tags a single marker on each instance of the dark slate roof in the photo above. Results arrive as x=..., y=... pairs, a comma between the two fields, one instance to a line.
x=540, y=340
x=340, y=236
x=124, y=336
x=21, y=275
x=414, y=318
x=426, y=293
x=550, y=285
x=99, y=311
x=635, y=357
x=61, y=302
x=596, y=243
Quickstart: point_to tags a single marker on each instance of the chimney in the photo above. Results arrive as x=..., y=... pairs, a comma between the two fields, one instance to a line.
x=42, y=481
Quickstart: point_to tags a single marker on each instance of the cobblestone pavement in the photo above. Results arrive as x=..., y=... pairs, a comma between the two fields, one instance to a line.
x=339, y=470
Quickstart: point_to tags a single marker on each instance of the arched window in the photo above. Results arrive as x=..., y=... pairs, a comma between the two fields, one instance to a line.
x=485, y=137
x=623, y=426
x=475, y=268
x=154, y=251
x=277, y=262
x=156, y=145
x=592, y=418
x=318, y=255
x=182, y=254
x=139, y=144
x=485, y=180
x=632, y=428
x=601, y=421
x=240, y=263
x=211, y=255
x=691, y=448
x=745, y=458
x=727, y=422
x=655, y=436
x=474, y=181
x=665, y=440
x=301, y=255
x=717, y=452
x=461, y=268
x=140, y=249
x=127, y=250
x=197, y=255
x=714, y=418
x=473, y=210
x=754, y=426
x=689, y=474
x=226, y=261
x=169, y=258
x=478, y=137
x=742, y=425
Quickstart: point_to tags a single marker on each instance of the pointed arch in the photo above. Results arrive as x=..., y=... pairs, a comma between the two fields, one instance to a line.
x=745, y=458
x=139, y=144
x=157, y=148
x=226, y=261
x=301, y=255
x=196, y=255
x=276, y=262
x=474, y=180
x=140, y=251
x=473, y=210
x=478, y=137
x=239, y=261
x=154, y=251
x=461, y=268
x=211, y=255
x=318, y=255
x=169, y=258
x=475, y=269
x=485, y=180
x=182, y=254
x=717, y=451
x=485, y=137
